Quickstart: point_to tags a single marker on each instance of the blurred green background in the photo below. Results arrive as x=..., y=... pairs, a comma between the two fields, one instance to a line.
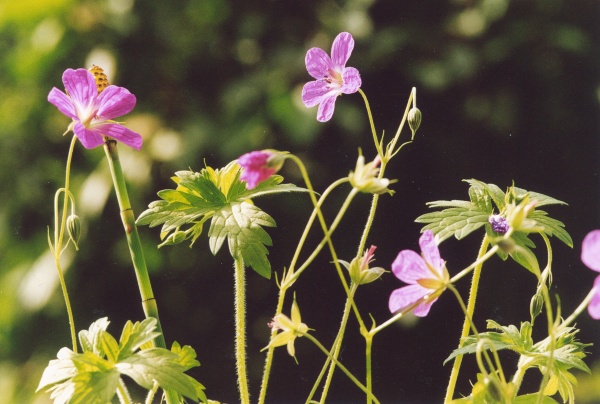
x=508, y=90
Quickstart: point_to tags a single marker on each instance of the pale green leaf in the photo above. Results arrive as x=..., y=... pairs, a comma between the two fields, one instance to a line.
x=187, y=355
x=552, y=227
x=241, y=224
x=95, y=387
x=136, y=334
x=90, y=339
x=456, y=221
x=534, y=399
x=58, y=370
x=160, y=365
x=110, y=346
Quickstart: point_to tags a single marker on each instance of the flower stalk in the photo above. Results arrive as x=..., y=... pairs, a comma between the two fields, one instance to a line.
x=135, y=247
x=468, y=316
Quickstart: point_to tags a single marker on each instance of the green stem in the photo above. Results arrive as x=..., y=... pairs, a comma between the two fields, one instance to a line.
x=59, y=232
x=368, y=360
x=135, y=247
x=342, y=367
x=372, y=123
x=468, y=317
x=240, y=330
x=337, y=345
x=582, y=306
x=292, y=275
x=122, y=393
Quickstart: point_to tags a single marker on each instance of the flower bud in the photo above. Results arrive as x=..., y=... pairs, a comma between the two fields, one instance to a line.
x=74, y=229
x=536, y=305
x=414, y=119
x=364, y=177
x=359, y=270
x=499, y=223
x=176, y=237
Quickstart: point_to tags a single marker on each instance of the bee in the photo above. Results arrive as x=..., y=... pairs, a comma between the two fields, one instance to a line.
x=101, y=79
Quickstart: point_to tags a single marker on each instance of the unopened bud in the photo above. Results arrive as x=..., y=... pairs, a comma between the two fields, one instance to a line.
x=74, y=229
x=536, y=305
x=176, y=237
x=414, y=119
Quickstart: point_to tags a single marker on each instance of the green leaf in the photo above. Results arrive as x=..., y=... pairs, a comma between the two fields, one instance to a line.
x=58, y=370
x=90, y=340
x=541, y=199
x=270, y=186
x=187, y=358
x=241, y=224
x=533, y=399
x=480, y=193
x=509, y=337
x=161, y=365
x=135, y=335
x=187, y=355
x=110, y=347
x=526, y=258
x=456, y=221
x=552, y=227
x=95, y=387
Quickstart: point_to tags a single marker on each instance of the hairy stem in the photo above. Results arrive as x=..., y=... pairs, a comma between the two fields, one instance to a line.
x=240, y=330
x=468, y=317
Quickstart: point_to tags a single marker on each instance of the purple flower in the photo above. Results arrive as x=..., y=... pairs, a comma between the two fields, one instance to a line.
x=590, y=255
x=256, y=168
x=499, y=223
x=332, y=76
x=92, y=113
x=425, y=274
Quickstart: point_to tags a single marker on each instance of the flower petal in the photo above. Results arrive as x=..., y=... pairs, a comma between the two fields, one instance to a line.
x=409, y=267
x=313, y=92
x=352, y=80
x=594, y=306
x=342, y=49
x=121, y=133
x=318, y=63
x=81, y=87
x=405, y=296
x=423, y=309
x=89, y=138
x=61, y=101
x=115, y=101
x=430, y=250
x=590, y=250
x=326, y=108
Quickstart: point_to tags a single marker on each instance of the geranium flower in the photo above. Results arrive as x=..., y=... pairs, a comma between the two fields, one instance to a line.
x=332, y=76
x=590, y=255
x=258, y=166
x=92, y=113
x=426, y=275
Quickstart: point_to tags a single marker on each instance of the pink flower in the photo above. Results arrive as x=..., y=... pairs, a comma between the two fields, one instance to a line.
x=590, y=255
x=256, y=168
x=332, y=76
x=92, y=113
x=425, y=274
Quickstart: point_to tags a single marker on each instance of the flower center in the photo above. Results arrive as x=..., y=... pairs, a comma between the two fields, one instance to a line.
x=334, y=78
